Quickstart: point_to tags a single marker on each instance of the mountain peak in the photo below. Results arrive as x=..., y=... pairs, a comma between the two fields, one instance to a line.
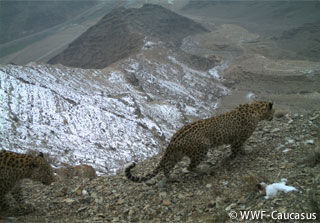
x=121, y=33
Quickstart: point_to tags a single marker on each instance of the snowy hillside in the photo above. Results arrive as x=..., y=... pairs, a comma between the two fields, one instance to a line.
x=107, y=117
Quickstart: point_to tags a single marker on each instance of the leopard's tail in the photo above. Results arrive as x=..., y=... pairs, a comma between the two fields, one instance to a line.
x=149, y=176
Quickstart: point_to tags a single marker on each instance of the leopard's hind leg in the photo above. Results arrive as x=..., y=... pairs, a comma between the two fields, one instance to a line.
x=196, y=158
x=237, y=148
x=168, y=162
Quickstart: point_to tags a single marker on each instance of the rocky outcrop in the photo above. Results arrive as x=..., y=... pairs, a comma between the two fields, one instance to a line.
x=82, y=171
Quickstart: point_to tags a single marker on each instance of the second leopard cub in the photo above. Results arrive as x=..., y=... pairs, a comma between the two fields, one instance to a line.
x=14, y=167
x=195, y=139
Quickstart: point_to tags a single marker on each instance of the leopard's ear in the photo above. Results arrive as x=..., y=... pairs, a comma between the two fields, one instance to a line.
x=40, y=154
x=34, y=163
x=270, y=105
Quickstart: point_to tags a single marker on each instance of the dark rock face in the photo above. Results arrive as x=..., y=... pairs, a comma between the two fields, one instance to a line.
x=105, y=43
x=161, y=23
x=122, y=32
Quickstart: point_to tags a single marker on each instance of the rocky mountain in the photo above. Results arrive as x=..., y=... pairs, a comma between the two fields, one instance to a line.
x=123, y=32
x=107, y=117
x=291, y=25
x=87, y=120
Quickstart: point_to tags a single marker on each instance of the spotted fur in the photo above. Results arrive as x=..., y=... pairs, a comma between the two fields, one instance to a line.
x=195, y=139
x=15, y=167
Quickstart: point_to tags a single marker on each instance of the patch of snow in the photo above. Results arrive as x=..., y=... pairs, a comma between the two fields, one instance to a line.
x=273, y=189
x=225, y=90
x=251, y=97
x=214, y=73
x=275, y=130
x=186, y=68
x=217, y=72
x=216, y=105
x=133, y=67
x=190, y=110
x=149, y=44
x=290, y=141
x=309, y=141
x=308, y=72
x=286, y=150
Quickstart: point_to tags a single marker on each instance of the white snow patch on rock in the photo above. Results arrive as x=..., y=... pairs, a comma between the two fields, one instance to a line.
x=272, y=190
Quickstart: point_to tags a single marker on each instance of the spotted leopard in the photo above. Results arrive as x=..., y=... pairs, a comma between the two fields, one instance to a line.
x=195, y=139
x=15, y=167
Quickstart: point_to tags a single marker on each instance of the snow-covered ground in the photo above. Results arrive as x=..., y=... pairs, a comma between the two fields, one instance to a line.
x=104, y=118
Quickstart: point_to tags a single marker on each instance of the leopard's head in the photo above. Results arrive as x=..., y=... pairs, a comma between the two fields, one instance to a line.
x=263, y=110
x=41, y=170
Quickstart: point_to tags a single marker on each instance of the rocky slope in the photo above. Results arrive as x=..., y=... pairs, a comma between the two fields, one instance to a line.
x=287, y=147
x=290, y=25
x=307, y=35
x=122, y=33
x=281, y=69
x=129, y=110
x=104, y=117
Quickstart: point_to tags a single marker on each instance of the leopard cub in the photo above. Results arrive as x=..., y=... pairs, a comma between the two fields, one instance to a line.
x=15, y=167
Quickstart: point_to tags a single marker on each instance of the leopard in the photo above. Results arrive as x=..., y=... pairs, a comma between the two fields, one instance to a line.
x=15, y=167
x=196, y=138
